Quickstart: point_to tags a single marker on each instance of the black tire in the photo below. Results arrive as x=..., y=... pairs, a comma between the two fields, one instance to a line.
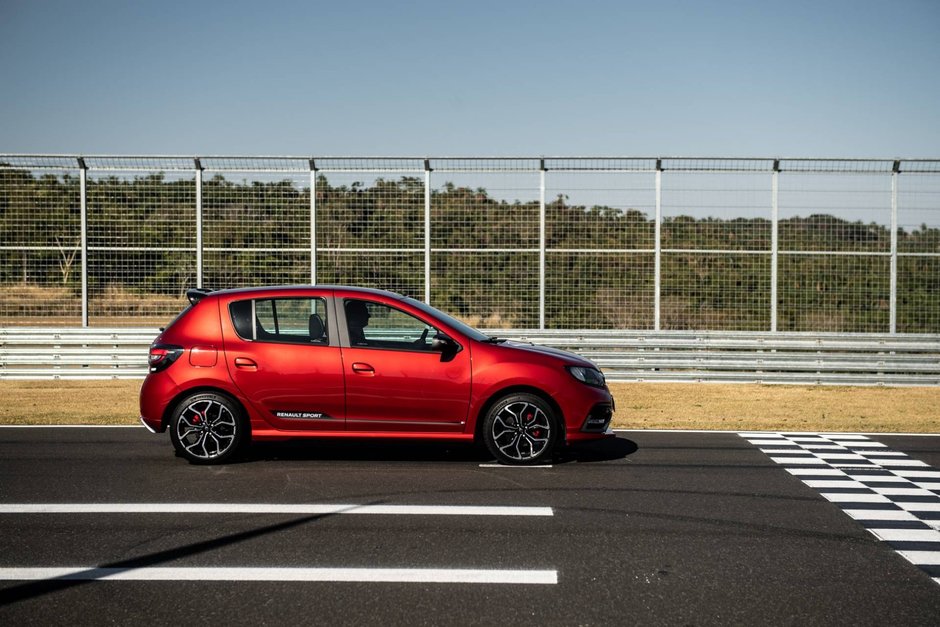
x=208, y=428
x=521, y=429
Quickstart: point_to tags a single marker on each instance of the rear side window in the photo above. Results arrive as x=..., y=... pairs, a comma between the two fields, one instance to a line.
x=293, y=320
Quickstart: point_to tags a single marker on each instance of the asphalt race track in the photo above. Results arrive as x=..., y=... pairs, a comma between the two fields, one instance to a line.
x=106, y=525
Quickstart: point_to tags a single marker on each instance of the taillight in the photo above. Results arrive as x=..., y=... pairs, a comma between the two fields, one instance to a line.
x=162, y=355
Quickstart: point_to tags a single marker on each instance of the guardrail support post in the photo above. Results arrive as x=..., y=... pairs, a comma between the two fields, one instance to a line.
x=774, y=243
x=83, y=180
x=198, y=165
x=313, y=222
x=893, y=299
x=427, y=231
x=541, y=243
x=657, y=269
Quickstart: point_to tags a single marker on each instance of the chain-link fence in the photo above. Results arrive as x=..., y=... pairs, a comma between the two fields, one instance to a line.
x=557, y=243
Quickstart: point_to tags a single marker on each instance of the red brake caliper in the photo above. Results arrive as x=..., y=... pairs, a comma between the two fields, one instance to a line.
x=529, y=418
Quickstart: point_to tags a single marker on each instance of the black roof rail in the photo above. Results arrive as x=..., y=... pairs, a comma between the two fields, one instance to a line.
x=196, y=295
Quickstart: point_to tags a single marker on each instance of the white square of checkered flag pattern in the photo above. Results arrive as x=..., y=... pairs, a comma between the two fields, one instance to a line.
x=895, y=497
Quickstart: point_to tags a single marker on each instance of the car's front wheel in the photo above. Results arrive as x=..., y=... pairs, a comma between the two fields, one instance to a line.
x=208, y=428
x=520, y=429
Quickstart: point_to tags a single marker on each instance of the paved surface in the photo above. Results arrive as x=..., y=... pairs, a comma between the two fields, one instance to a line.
x=664, y=528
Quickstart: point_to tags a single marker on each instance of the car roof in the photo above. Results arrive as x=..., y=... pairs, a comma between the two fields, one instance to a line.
x=274, y=288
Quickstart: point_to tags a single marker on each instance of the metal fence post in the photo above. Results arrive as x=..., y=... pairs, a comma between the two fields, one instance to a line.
x=893, y=302
x=427, y=231
x=198, y=165
x=313, y=222
x=774, y=243
x=541, y=243
x=83, y=179
x=657, y=269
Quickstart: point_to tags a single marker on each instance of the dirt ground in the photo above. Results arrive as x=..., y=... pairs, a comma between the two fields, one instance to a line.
x=639, y=406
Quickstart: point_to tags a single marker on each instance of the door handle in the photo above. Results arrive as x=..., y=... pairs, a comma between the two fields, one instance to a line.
x=245, y=363
x=361, y=368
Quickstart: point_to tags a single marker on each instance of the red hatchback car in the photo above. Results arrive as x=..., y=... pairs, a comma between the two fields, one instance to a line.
x=329, y=361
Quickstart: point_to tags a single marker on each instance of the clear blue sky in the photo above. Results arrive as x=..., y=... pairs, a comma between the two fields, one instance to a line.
x=762, y=78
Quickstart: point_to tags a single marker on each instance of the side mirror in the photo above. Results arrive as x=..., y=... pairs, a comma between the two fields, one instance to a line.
x=447, y=347
x=442, y=343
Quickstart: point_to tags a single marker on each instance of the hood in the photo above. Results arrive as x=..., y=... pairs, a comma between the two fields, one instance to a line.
x=568, y=357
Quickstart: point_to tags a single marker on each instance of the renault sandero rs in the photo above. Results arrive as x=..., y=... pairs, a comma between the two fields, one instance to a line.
x=341, y=362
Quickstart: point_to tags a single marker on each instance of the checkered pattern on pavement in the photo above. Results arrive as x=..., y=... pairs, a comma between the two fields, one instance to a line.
x=895, y=497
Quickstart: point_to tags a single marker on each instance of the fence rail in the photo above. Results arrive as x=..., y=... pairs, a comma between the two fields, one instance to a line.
x=640, y=243
x=796, y=358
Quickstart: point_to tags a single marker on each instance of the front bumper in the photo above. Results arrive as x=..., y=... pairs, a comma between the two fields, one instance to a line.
x=598, y=419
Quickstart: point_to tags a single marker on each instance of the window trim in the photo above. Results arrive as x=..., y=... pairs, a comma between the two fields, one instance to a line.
x=254, y=318
x=348, y=341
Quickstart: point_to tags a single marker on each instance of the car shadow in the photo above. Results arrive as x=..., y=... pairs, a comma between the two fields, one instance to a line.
x=608, y=449
x=394, y=450
x=358, y=450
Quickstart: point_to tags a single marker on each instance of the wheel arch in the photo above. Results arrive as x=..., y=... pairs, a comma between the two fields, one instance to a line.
x=519, y=389
x=201, y=389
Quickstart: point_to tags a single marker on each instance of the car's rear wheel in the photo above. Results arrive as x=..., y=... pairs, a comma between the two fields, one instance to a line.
x=520, y=429
x=208, y=428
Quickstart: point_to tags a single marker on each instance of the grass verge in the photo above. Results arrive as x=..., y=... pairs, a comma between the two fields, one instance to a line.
x=639, y=406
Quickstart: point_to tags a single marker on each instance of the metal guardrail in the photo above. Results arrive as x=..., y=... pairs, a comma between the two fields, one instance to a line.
x=795, y=358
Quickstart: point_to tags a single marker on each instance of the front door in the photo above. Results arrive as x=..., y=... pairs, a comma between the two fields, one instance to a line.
x=394, y=381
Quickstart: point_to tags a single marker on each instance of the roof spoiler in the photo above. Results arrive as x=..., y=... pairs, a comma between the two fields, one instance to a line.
x=196, y=295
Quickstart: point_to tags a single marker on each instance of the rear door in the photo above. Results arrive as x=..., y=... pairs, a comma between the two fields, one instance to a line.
x=283, y=354
x=394, y=381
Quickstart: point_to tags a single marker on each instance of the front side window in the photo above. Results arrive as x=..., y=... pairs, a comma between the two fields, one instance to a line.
x=294, y=320
x=374, y=325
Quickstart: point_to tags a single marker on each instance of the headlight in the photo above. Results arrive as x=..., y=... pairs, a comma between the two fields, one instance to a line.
x=588, y=376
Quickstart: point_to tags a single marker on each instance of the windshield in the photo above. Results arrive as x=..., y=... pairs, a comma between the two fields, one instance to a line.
x=466, y=329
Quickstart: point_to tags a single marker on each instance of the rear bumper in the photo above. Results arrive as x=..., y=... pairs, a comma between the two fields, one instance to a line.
x=155, y=394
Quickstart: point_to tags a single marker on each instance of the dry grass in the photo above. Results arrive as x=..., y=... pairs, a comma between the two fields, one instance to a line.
x=639, y=406
x=69, y=402
x=776, y=407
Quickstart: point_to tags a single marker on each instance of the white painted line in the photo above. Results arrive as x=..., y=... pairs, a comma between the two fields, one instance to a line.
x=899, y=462
x=927, y=558
x=768, y=442
x=902, y=491
x=875, y=478
x=873, y=455
x=838, y=497
x=810, y=439
x=770, y=434
x=783, y=461
x=880, y=514
x=514, y=466
x=135, y=426
x=270, y=508
x=918, y=474
x=918, y=507
x=819, y=483
x=853, y=445
x=824, y=447
x=370, y=575
x=847, y=436
x=841, y=456
x=785, y=451
x=907, y=535
x=799, y=472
